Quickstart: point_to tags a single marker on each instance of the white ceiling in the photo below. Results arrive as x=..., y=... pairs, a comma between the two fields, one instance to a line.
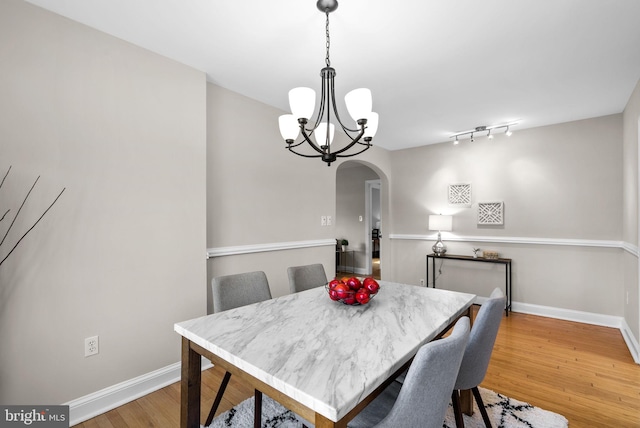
x=434, y=67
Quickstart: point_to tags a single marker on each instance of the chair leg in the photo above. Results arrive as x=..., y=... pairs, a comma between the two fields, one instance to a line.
x=218, y=399
x=483, y=411
x=457, y=410
x=257, y=412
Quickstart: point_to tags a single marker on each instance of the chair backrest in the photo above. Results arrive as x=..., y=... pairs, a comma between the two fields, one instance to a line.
x=483, y=337
x=306, y=277
x=232, y=291
x=425, y=393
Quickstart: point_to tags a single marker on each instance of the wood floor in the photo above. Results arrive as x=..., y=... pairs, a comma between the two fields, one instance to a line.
x=581, y=371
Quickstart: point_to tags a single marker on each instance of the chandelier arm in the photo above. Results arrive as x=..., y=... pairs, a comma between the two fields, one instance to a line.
x=351, y=144
x=302, y=154
x=335, y=110
x=311, y=143
x=296, y=144
x=354, y=154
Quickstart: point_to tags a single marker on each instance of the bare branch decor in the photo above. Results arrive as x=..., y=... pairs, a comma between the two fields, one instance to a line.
x=18, y=213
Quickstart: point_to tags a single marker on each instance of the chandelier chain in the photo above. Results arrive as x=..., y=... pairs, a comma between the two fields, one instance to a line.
x=327, y=60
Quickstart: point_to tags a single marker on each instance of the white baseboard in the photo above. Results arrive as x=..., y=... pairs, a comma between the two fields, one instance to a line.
x=102, y=401
x=109, y=398
x=631, y=341
x=582, y=317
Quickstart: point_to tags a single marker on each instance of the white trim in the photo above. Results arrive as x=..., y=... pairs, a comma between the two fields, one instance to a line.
x=521, y=240
x=631, y=341
x=102, y=401
x=630, y=248
x=99, y=402
x=261, y=248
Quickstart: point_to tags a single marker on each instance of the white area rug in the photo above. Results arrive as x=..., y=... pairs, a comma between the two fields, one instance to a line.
x=504, y=412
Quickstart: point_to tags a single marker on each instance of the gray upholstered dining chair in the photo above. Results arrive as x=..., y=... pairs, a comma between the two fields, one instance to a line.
x=233, y=291
x=422, y=400
x=478, y=353
x=303, y=278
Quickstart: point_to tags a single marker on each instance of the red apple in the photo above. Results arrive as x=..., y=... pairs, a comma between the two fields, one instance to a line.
x=333, y=283
x=362, y=296
x=342, y=290
x=351, y=298
x=371, y=285
x=354, y=283
x=333, y=295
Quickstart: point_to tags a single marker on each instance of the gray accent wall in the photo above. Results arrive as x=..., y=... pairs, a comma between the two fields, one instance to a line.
x=121, y=255
x=558, y=183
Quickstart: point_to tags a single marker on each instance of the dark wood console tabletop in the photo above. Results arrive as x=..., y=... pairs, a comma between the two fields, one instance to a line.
x=505, y=262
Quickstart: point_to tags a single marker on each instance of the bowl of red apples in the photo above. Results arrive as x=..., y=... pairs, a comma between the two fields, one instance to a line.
x=353, y=291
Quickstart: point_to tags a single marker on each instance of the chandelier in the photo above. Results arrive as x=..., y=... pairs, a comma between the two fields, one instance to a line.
x=302, y=102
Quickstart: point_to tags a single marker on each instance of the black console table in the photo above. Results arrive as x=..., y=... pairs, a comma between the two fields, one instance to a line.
x=505, y=262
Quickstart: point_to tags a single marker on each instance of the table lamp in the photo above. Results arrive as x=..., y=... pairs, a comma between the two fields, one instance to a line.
x=440, y=223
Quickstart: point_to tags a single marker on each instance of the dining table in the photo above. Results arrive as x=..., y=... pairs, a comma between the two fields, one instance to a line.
x=319, y=358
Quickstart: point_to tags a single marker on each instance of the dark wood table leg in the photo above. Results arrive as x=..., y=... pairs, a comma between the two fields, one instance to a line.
x=190, y=384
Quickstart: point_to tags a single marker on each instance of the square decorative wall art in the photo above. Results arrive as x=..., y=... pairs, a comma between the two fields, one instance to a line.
x=490, y=212
x=460, y=194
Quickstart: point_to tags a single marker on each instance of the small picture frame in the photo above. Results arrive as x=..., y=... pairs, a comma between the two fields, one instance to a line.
x=460, y=194
x=491, y=213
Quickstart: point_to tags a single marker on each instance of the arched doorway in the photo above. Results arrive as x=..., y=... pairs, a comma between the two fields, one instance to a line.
x=359, y=219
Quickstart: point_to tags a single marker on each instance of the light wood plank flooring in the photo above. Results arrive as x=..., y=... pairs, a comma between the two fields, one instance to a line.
x=582, y=371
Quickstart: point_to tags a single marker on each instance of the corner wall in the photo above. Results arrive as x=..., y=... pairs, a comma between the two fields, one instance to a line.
x=631, y=142
x=122, y=253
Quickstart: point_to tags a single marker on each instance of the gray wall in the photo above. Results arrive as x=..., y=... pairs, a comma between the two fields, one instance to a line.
x=259, y=194
x=631, y=125
x=557, y=182
x=122, y=253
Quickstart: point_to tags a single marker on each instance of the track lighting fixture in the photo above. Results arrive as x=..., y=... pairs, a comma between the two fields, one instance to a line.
x=488, y=129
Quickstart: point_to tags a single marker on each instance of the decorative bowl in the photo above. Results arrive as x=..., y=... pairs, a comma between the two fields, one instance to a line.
x=352, y=291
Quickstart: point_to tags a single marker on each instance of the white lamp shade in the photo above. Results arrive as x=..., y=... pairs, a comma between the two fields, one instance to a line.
x=321, y=133
x=441, y=223
x=359, y=103
x=372, y=125
x=302, y=102
x=288, y=127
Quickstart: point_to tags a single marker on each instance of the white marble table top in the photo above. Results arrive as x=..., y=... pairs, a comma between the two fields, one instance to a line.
x=323, y=354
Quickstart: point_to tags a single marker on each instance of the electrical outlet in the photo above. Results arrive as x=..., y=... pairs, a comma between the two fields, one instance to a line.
x=422, y=282
x=329, y=220
x=323, y=220
x=91, y=346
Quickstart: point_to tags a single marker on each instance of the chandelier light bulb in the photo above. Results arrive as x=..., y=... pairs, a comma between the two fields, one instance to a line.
x=302, y=102
x=321, y=133
x=372, y=125
x=359, y=103
x=289, y=127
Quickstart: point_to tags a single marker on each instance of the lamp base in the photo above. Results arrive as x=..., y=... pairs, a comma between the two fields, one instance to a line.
x=439, y=249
